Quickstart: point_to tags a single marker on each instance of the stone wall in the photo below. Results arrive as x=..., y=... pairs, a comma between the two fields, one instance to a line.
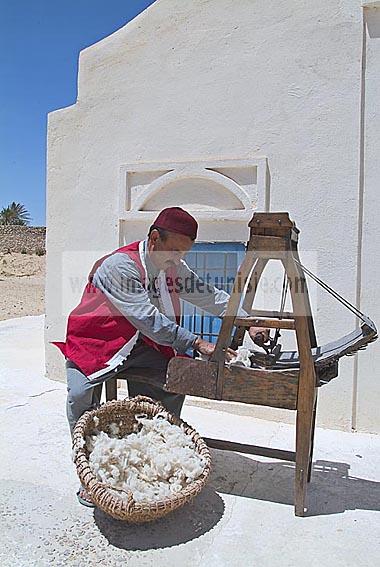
x=26, y=239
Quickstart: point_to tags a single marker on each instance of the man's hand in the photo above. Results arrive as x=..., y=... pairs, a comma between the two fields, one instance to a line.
x=259, y=335
x=207, y=349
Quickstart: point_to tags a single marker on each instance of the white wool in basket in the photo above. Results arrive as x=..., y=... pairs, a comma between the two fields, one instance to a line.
x=154, y=462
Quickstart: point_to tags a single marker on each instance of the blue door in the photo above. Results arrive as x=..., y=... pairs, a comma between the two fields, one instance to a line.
x=216, y=263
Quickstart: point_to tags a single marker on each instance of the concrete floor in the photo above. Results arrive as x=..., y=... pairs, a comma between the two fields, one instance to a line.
x=244, y=517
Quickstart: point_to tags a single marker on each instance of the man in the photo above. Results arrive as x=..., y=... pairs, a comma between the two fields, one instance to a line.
x=128, y=316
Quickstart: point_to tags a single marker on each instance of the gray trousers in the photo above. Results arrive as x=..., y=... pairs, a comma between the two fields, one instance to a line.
x=83, y=395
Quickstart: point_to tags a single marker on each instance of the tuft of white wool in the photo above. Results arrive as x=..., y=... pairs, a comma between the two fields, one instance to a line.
x=153, y=463
x=114, y=429
x=242, y=358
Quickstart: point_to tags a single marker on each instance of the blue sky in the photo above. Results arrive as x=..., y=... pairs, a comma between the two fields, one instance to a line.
x=40, y=42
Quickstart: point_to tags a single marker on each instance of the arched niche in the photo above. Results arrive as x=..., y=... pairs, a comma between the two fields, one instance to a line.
x=206, y=191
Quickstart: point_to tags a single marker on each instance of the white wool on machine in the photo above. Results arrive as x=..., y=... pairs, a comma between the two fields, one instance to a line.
x=153, y=463
x=242, y=358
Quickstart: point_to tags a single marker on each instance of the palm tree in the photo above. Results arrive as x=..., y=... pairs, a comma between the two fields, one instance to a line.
x=15, y=213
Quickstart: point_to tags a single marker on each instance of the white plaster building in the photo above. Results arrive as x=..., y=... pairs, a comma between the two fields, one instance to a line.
x=225, y=107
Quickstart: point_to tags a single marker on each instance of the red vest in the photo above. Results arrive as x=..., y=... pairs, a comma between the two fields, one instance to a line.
x=98, y=336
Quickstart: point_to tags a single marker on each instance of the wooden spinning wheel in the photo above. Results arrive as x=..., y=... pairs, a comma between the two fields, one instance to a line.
x=278, y=379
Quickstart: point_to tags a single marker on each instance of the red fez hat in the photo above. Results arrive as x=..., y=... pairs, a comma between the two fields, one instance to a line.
x=175, y=219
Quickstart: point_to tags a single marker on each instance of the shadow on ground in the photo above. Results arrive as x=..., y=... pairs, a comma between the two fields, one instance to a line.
x=331, y=491
x=183, y=525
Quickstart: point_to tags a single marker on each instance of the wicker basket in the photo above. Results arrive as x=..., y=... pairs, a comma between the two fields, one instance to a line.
x=126, y=508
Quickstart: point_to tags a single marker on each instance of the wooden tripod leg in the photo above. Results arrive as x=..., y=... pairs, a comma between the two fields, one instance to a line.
x=312, y=441
x=303, y=456
x=310, y=322
x=249, y=298
x=224, y=338
x=306, y=383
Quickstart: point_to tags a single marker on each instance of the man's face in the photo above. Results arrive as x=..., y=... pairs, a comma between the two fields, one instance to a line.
x=169, y=251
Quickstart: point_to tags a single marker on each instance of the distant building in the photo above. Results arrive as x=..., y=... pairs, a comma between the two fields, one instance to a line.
x=225, y=107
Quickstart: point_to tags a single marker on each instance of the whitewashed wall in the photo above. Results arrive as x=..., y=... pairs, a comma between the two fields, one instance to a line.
x=367, y=382
x=283, y=87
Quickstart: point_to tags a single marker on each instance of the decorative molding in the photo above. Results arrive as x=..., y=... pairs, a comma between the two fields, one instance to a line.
x=242, y=184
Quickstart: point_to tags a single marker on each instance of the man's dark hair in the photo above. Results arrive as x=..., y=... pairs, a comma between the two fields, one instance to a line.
x=162, y=232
